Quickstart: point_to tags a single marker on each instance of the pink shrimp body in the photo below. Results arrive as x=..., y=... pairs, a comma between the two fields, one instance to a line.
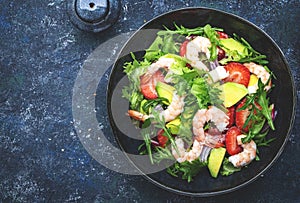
x=261, y=73
x=181, y=154
x=174, y=109
x=198, y=44
x=217, y=116
x=246, y=156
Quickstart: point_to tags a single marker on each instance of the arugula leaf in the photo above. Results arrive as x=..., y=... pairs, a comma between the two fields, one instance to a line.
x=187, y=169
x=241, y=51
x=181, y=30
x=186, y=119
x=154, y=51
x=179, y=65
x=160, y=123
x=162, y=153
x=149, y=104
x=129, y=67
x=228, y=168
x=163, y=44
x=253, y=56
x=214, y=40
x=147, y=133
x=200, y=91
x=134, y=70
x=260, y=113
x=265, y=142
x=263, y=101
x=206, y=94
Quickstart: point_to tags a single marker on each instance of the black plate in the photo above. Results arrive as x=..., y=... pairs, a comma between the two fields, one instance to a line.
x=283, y=96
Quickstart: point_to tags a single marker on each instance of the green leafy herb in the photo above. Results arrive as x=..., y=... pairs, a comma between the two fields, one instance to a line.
x=263, y=101
x=162, y=153
x=150, y=104
x=181, y=30
x=159, y=123
x=164, y=43
x=259, y=113
x=134, y=70
x=253, y=56
x=265, y=142
x=206, y=31
x=206, y=94
x=214, y=40
x=228, y=168
x=186, y=119
x=147, y=133
x=187, y=169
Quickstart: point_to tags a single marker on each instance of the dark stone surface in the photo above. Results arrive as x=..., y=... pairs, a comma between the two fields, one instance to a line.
x=41, y=157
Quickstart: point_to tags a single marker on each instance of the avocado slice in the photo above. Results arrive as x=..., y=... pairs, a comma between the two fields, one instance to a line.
x=233, y=45
x=141, y=106
x=232, y=93
x=166, y=91
x=174, y=126
x=215, y=160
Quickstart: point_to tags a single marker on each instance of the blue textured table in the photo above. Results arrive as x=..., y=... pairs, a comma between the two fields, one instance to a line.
x=41, y=157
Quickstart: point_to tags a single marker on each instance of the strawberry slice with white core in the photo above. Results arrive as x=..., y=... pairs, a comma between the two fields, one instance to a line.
x=238, y=73
x=148, y=84
x=231, y=143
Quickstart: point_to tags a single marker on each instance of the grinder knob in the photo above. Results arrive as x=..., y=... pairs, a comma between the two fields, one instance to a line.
x=93, y=15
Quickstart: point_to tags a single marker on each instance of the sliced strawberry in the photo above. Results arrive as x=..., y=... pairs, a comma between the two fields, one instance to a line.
x=242, y=115
x=219, y=144
x=231, y=115
x=237, y=73
x=162, y=139
x=232, y=146
x=222, y=35
x=148, y=84
x=148, y=89
x=182, y=49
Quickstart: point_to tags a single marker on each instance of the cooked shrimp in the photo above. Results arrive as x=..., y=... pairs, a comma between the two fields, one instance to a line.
x=217, y=116
x=199, y=120
x=181, y=154
x=174, y=109
x=260, y=72
x=137, y=115
x=246, y=156
x=194, y=47
x=161, y=63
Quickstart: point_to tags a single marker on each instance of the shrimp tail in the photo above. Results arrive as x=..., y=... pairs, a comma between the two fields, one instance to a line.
x=137, y=115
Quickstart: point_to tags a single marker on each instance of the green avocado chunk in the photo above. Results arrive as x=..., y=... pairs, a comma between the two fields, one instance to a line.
x=174, y=126
x=233, y=45
x=232, y=93
x=215, y=160
x=166, y=91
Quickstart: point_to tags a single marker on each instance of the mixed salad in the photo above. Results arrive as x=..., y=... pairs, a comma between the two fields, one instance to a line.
x=200, y=97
